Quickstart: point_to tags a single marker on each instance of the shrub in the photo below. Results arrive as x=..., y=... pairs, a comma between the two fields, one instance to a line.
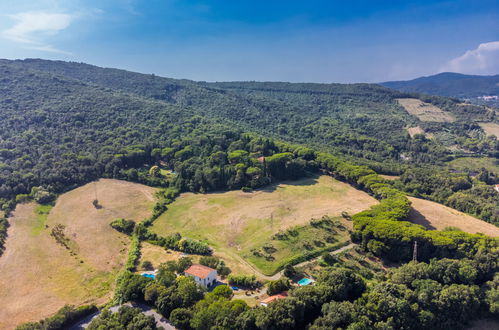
x=278, y=286
x=146, y=264
x=246, y=281
x=123, y=225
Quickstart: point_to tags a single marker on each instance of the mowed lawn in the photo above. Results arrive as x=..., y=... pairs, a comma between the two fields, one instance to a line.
x=234, y=223
x=437, y=216
x=39, y=276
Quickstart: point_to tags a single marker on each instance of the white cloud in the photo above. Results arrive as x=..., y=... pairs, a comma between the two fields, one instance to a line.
x=32, y=28
x=482, y=60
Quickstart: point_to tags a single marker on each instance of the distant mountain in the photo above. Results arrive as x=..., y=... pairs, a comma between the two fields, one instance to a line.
x=476, y=89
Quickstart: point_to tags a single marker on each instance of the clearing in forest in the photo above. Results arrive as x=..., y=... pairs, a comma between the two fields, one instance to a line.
x=433, y=215
x=490, y=128
x=40, y=274
x=240, y=226
x=474, y=164
x=425, y=111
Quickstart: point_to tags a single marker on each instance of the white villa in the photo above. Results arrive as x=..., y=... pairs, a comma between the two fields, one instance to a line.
x=204, y=276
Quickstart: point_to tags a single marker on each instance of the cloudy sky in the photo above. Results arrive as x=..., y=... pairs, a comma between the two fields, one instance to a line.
x=288, y=40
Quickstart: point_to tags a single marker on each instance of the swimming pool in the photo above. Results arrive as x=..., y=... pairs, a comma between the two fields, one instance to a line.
x=305, y=281
x=149, y=275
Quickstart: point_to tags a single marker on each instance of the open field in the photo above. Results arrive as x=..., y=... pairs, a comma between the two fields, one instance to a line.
x=490, y=128
x=236, y=224
x=475, y=164
x=437, y=216
x=157, y=254
x=425, y=111
x=40, y=275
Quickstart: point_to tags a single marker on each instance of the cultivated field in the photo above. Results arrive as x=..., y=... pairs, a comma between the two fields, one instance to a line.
x=39, y=275
x=437, y=216
x=236, y=223
x=425, y=111
x=490, y=128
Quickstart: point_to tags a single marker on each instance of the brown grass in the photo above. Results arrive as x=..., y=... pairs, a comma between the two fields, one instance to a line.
x=425, y=111
x=234, y=222
x=156, y=254
x=414, y=130
x=437, y=216
x=39, y=276
x=390, y=177
x=490, y=128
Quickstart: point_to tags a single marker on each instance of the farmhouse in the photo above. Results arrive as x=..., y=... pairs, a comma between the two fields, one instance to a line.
x=204, y=276
x=496, y=187
x=265, y=302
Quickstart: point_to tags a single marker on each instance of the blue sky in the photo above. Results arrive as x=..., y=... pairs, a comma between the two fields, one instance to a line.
x=313, y=41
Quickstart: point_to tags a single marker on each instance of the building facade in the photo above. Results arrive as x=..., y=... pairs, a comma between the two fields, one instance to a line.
x=204, y=276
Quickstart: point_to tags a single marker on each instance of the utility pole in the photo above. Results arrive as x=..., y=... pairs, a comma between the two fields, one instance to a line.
x=415, y=252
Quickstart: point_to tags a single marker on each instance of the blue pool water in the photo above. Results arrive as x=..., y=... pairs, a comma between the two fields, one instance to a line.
x=304, y=281
x=149, y=275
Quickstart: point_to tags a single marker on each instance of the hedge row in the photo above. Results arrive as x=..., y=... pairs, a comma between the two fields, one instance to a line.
x=382, y=229
x=4, y=224
x=64, y=318
x=133, y=254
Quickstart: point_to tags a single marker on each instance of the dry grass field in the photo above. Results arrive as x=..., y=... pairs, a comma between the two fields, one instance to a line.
x=437, y=216
x=490, y=128
x=39, y=275
x=157, y=254
x=234, y=222
x=425, y=111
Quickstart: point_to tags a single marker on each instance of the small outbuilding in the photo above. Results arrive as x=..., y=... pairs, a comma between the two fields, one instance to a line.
x=265, y=302
x=204, y=276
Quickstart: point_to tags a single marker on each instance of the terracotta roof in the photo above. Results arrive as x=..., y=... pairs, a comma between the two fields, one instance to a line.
x=270, y=299
x=199, y=271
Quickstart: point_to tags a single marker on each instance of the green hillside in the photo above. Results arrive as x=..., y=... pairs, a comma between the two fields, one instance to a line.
x=64, y=124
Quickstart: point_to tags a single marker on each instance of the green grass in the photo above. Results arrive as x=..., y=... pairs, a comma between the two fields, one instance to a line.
x=42, y=212
x=307, y=239
x=475, y=164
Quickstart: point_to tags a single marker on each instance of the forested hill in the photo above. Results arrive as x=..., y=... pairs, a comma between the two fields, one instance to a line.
x=361, y=120
x=64, y=124
x=467, y=87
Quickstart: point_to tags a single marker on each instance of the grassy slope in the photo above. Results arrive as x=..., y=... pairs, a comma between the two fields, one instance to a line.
x=437, y=216
x=234, y=223
x=475, y=164
x=39, y=276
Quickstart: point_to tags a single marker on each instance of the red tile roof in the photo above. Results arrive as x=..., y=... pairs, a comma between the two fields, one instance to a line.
x=270, y=299
x=199, y=271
